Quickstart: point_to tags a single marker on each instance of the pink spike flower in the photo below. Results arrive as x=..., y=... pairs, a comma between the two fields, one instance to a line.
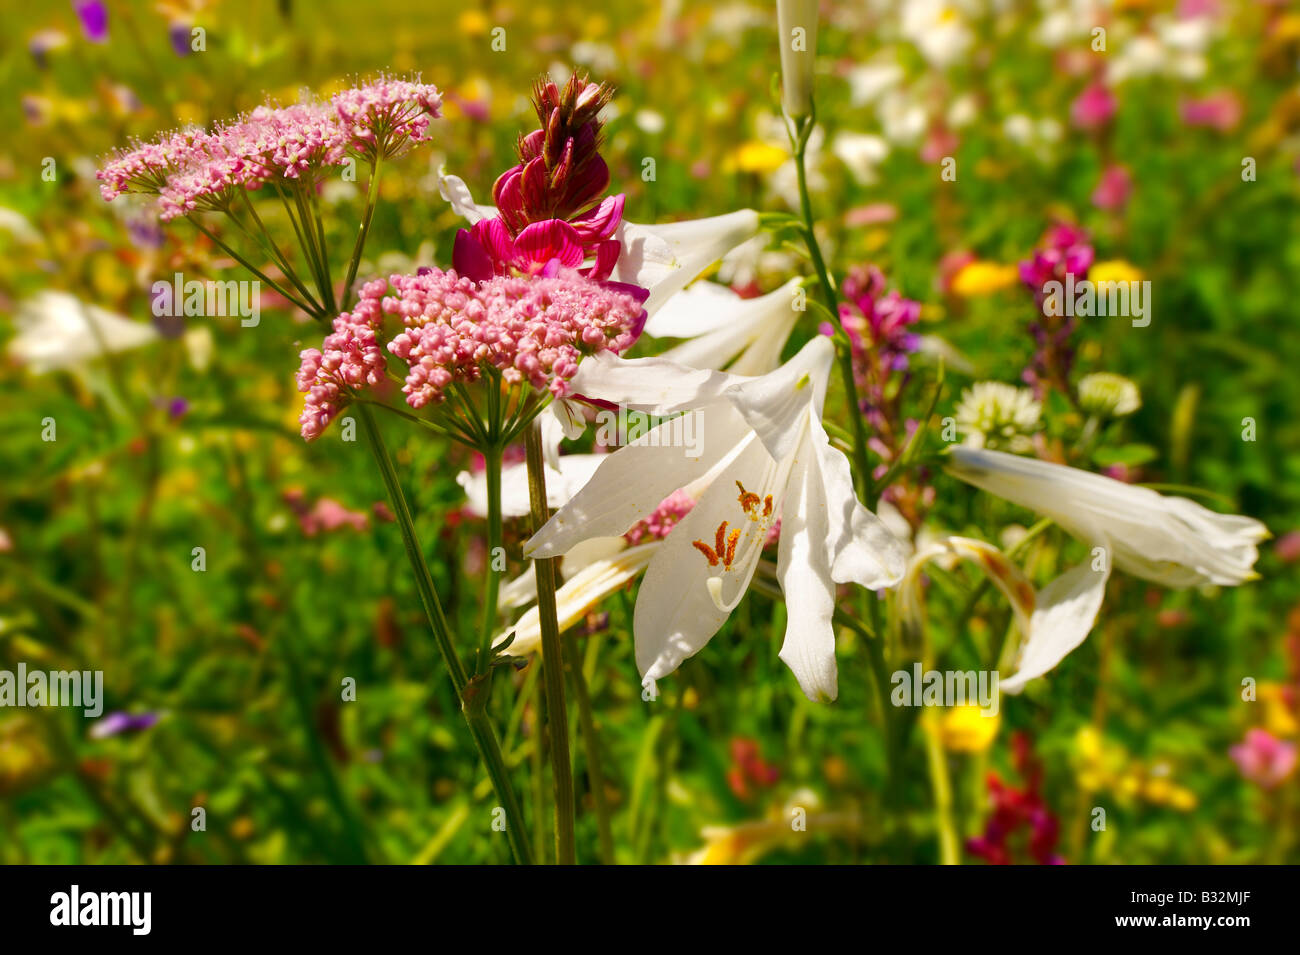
x=550, y=206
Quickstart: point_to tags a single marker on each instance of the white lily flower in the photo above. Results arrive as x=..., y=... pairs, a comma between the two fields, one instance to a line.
x=57, y=330
x=797, y=22
x=610, y=564
x=1170, y=541
x=724, y=329
x=665, y=258
x=565, y=474
x=1052, y=622
x=766, y=440
x=662, y=259
x=595, y=568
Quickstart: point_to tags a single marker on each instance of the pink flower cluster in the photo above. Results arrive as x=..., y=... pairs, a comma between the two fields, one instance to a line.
x=385, y=116
x=146, y=166
x=196, y=170
x=350, y=357
x=1065, y=251
x=878, y=322
x=662, y=520
x=533, y=330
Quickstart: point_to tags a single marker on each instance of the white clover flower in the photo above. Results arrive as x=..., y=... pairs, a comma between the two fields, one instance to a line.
x=1108, y=395
x=996, y=415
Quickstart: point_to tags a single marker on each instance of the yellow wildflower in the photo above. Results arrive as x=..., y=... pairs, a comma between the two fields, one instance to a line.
x=965, y=729
x=1279, y=718
x=756, y=157
x=473, y=23
x=983, y=278
x=1114, y=270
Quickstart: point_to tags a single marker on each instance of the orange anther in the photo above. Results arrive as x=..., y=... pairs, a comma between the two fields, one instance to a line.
x=707, y=551
x=731, y=547
x=747, y=499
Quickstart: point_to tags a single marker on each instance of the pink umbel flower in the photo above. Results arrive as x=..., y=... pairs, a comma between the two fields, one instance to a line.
x=1094, y=107
x=350, y=358
x=1263, y=759
x=385, y=116
x=145, y=167
x=550, y=204
x=533, y=330
x=197, y=171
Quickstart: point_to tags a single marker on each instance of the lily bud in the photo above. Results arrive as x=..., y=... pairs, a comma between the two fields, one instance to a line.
x=797, y=22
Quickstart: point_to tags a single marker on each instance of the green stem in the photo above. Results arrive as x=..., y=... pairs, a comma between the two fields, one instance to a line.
x=492, y=458
x=862, y=468
x=941, y=788
x=316, y=255
x=372, y=193
x=263, y=238
x=473, y=704
x=591, y=752
x=252, y=268
x=557, y=716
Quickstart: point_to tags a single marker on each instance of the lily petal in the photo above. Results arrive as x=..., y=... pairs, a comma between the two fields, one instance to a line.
x=724, y=328
x=457, y=194
x=776, y=405
x=631, y=482
x=665, y=258
x=1065, y=612
x=562, y=483
x=863, y=549
x=580, y=593
x=1168, y=540
x=804, y=569
x=679, y=607
x=651, y=385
